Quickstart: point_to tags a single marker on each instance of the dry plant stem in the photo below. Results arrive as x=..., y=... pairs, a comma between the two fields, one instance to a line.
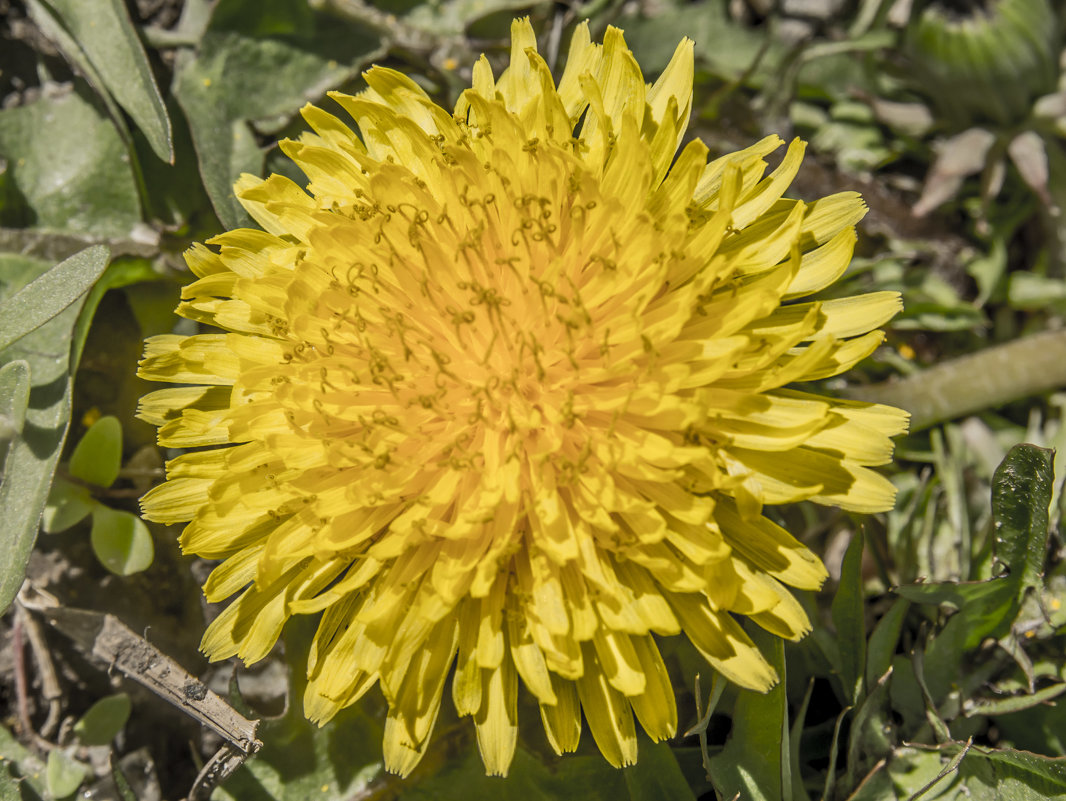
x=107, y=640
x=402, y=34
x=983, y=380
x=873, y=771
x=56, y=247
x=950, y=768
x=21, y=686
x=26, y=628
x=217, y=769
x=50, y=689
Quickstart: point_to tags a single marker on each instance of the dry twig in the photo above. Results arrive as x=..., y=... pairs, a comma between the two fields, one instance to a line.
x=106, y=640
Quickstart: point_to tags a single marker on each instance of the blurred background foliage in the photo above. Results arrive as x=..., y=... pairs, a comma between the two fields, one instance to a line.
x=937, y=654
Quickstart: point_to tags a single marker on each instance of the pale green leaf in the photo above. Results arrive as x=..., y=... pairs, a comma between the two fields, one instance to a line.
x=9, y=786
x=67, y=505
x=70, y=165
x=14, y=398
x=105, y=32
x=44, y=298
x=64, y=774
x=849, y=620
x=51, y=352
x=981, y=775
x=883, y=641
x=121, y=541
x=104, y=720
x=235, y=79
x=97, y=457
x=27, y=767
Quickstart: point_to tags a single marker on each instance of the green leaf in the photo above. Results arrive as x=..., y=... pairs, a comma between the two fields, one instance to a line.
x=259, y=18
x=1014, y=703
x=1038, y=772
x=910, y=770
x=29, y=770
x=18, y=271
x=849, y=620
x=71, y=166
x=64, y=774
x=121, y=541
x=726, y=48
x=104, y=720
x=52, y=353
x=42, y=299
x=67, y=505
x=14, y=402
x=472, y=17
x=656, y=775
x=932, y=714
x=52, y=28
x=990, y=616
x=97, y=457
x=882, y=645
x=795, y=738
x=834, y=749
x=988, y=269
x=14, y=398
x=1021, y=493
x=105, y=32
x=867, y=738
x=755, y=760
x=234, y=80
x=957, y=595
x=1029, y=291
x=9, y=786
x=981, y=775
x=956, y=547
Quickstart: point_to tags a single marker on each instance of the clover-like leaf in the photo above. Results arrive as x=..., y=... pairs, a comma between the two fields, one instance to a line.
x=97, y=458
x=121, y=541
x=67, y=505
x=104, y=720
x=64, y=774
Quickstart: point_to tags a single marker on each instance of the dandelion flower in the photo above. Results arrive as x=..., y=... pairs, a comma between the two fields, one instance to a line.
x=500, y=395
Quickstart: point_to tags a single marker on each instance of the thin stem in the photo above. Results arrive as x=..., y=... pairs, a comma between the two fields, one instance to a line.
x=986, y=379
x=21, y=685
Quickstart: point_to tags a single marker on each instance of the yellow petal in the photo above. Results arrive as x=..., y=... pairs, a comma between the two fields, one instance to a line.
x=674, y=83
x=786, y=619
x=496, y=722
x=201, y=359
x=841, y=483
x=609, y=715
x=413, y=712
x=618, y=660
x=562, y=720
x=528, y=659
x=175, y=501
x=656, y=708
x=722, y=642
x=770, y=548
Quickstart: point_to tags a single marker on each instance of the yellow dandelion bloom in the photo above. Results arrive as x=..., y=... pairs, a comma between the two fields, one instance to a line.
x=502, y=391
